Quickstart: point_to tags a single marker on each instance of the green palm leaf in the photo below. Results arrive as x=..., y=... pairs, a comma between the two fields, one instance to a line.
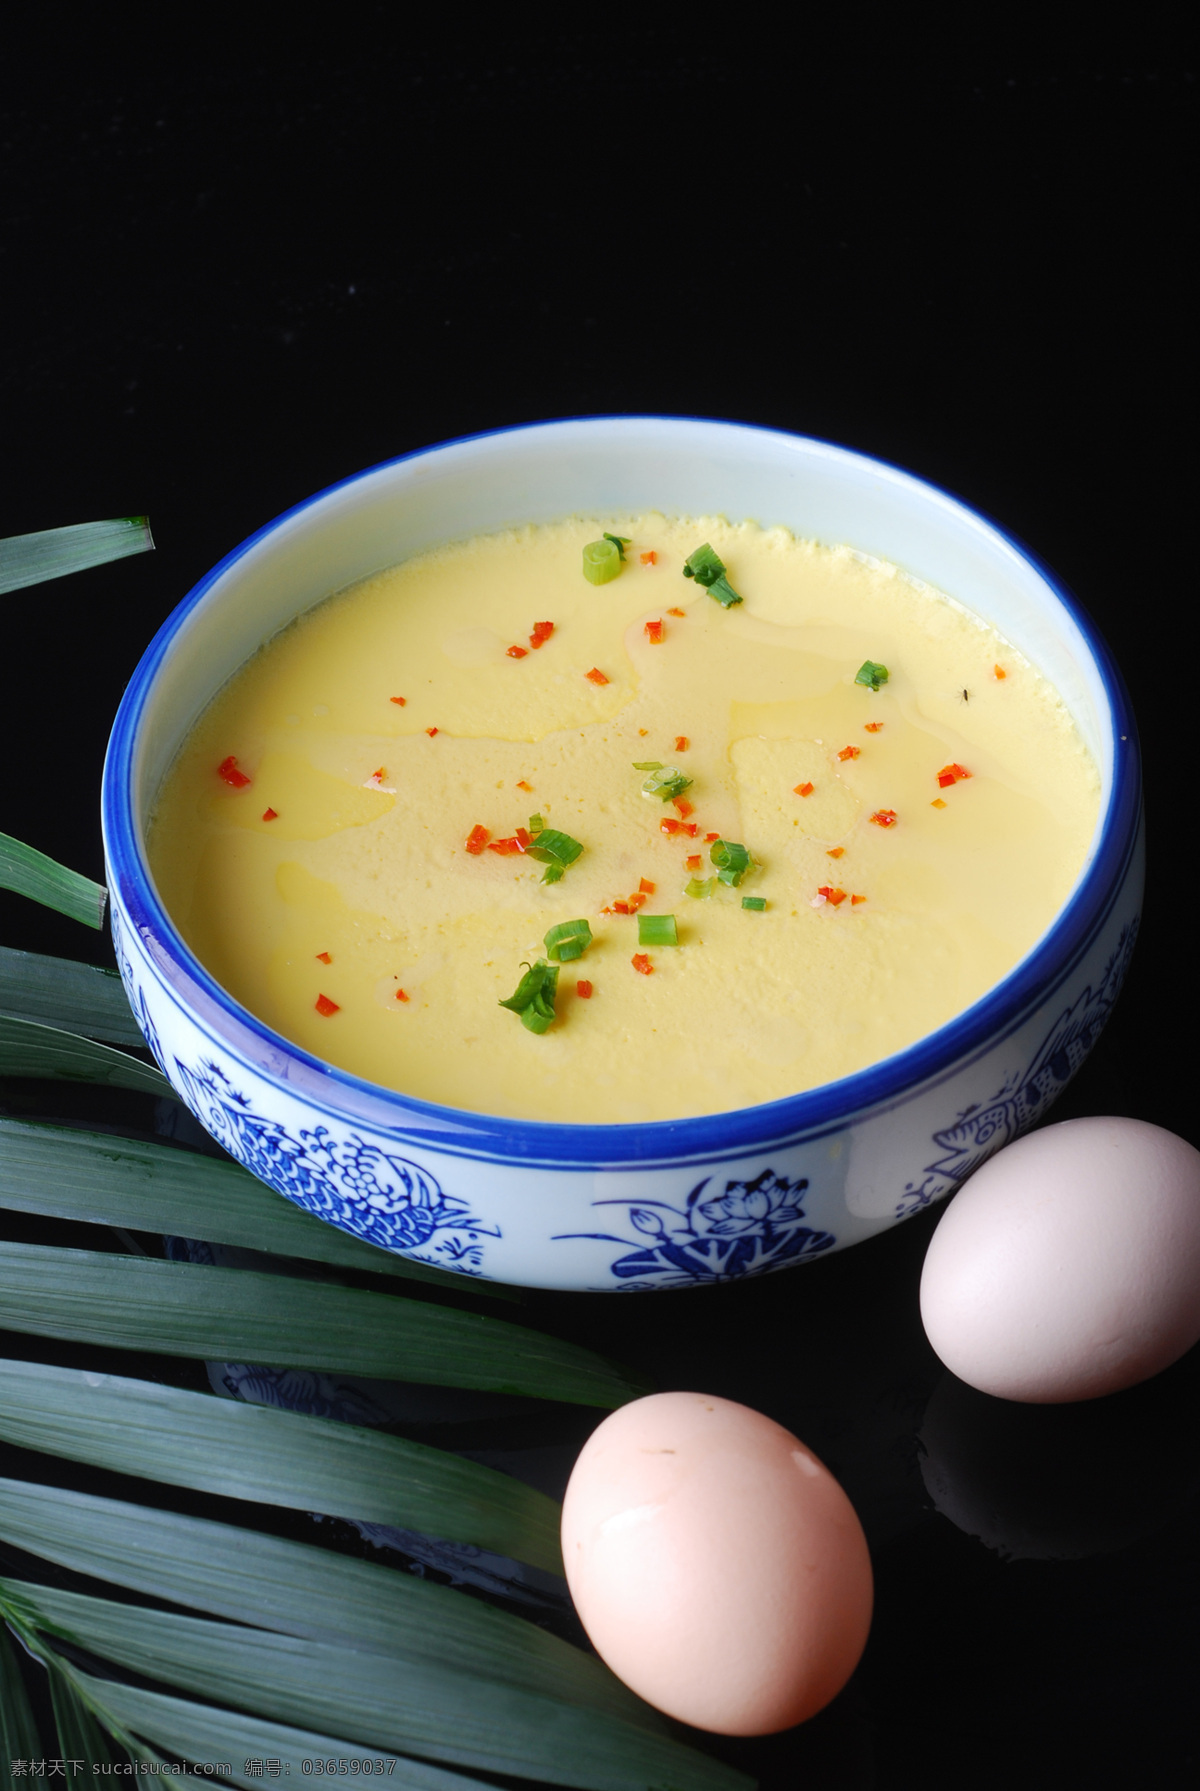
x=30, y=1049
x=60, y=992
x=53, y=553
x=18, y=1732
x=304, y=1591
x=244, y=1315
x=274, y=1457
x=99, y=1179
x=209, y=1736
x=30, y=873
x=79, y=1736
x=420, y=1708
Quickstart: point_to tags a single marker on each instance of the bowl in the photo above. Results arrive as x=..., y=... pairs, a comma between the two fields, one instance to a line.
x=664, y=1204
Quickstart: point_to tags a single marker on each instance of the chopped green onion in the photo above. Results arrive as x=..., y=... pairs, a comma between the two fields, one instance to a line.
x=705, y=566
x=568, y=941
x=732, y=861
x=601, y=561
x=620, y=542
x=657, y=929
x=708, y=569
x=534, y=995
x=647, y=764
x=665, y=781
x=536, y=824
x=700, y=888
x=554, y=849
x=724, y=592
x=871, y=674
x=755, y=903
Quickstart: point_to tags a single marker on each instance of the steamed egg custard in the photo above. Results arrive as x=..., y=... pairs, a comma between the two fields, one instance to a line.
x=812, y=809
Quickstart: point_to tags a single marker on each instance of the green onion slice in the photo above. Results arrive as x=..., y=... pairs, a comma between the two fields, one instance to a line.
x=755, y=903
x=732, y=861
x=665, y=781
x=555, y=850
x=700, y=888
x=533, y=997
x=568, y=941
x=536, y=824
x=620, y=542
x=708, y=569
x=871, y=674
x=647, y=765
x=601, y=561
x=657, y=929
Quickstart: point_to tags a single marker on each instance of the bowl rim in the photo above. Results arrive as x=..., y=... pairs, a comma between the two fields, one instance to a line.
x=707, y=1138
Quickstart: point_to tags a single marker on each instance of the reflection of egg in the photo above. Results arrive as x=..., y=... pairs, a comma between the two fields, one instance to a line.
x=1069, y=1264
x=717, y=1566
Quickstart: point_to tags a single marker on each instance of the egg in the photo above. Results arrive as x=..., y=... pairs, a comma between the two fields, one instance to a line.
x=717, y=1566
x=1068, y=1266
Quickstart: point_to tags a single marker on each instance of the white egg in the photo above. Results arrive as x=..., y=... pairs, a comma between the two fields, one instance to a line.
x=716, y=1564
x=1068, y=1266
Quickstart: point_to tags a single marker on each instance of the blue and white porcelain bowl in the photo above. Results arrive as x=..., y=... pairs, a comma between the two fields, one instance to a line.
x=668, y=1204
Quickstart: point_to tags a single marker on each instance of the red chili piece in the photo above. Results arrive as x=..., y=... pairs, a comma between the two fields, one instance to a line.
x=872, y=727
x=228, y=769
x=838, y=851
x=506, y=848
x=522, y=785
x=400, y=995
x=835, y=896
x=323, y=957
x=683, y=808
x=477, y=839
x=693, y=861
x=324, y=1006
x=850, y=752
x=270, y=814
x=677, y=612
x=584, y=990
x=642, y=964
x=884, y=817
x=681, y=743
x=399, y=701
x=951, y=774
x=803, y=790
x=541, y=634
x=646, y=887
x=517, y=652
x=596, y=675
x=654, y=633
x=710, y=837
x=431, y=732
x=649, y=558
x=855, y=900
x=671, y=828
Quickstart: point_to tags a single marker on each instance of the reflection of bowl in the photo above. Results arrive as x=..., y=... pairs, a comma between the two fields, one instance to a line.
x=669, y=1203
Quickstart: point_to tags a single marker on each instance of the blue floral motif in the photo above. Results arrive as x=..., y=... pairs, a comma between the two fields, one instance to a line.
x=381, y=1198
x=134, y=993
x=751, y=1228
x=1025, y=1097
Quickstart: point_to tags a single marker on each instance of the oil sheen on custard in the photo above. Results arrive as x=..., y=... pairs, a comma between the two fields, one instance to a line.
x=751, y=1006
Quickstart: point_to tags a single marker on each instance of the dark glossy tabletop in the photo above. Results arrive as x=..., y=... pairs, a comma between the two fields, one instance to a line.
x=234, y=277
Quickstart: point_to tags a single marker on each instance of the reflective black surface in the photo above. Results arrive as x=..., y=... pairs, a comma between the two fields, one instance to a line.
x=241, y=272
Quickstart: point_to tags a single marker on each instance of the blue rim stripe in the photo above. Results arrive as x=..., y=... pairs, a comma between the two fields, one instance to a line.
x=815, y=1112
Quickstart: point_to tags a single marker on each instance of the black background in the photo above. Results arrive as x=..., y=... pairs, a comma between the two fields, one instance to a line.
x=250, y=262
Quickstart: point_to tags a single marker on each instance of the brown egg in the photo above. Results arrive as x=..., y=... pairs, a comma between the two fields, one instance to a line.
x=717, y=1566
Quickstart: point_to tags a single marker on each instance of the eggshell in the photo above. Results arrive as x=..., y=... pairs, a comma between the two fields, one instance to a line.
x=1069, y=1264
x=716, y=1564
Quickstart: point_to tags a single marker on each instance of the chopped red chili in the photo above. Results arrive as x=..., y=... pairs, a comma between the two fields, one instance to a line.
x=836, y=852
x=951, y=774
x=681, y=743
x=270, y=814
x=583, y=989
x=689, y=827
x=377, y=777
x=399, y=701
x=850, y=752
x=654, y=633
x=477, y=839
x=710, y=837
x=649, y=558
x=692, y=861
x=637, y=900
x=541, y=633
x=804, y=789
x=646, y=887
x=834, y=896
x=228, y=769
x=642, y=964
x=522, y=785
x=854, y=900
x=937, y=802
x=323, y=957
x=596, y=675
x=884, y=817
x=506, y=848
x=677, y=612
x=517, y=652
x=431, y=732
x=998, y=671
x=400, y=995
x=620, y=908
x=872, y=727
x=324, y=1006
x=683, y=807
